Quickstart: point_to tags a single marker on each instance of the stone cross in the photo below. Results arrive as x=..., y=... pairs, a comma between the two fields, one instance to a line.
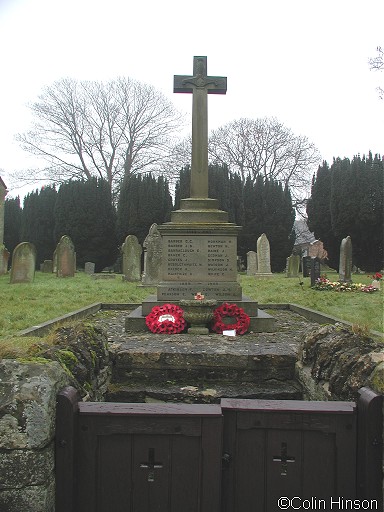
x=200, y=85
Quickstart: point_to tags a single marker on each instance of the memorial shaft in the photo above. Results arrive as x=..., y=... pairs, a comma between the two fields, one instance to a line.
x=200, y=85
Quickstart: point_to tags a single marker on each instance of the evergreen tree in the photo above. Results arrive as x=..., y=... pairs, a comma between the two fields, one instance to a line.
x=143, y=200
x=85, y=213
x=38, y=222
x=347, y=199
x=319, y=213
x=260, y=207
x=12, y=223
x=271, y=212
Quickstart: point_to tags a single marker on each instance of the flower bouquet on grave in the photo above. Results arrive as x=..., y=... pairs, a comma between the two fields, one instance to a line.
x=166, y=319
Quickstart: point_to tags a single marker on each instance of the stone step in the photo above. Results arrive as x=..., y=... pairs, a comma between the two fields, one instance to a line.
x=168, y=391
x=158, y=358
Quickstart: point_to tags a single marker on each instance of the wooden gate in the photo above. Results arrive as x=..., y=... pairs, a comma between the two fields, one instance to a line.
x=239, y=456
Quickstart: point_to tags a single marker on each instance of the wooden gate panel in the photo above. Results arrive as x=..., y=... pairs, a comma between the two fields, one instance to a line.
x=114, y=473
x=148, y=458
x=287, y=448
x=155, y=458
x=321, y=447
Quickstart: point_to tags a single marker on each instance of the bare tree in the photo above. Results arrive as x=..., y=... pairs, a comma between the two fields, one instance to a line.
x=105, y=129
x=254, y=147
x=377, y=64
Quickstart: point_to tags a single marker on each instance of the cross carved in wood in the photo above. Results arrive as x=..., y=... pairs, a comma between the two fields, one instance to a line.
x=151, y=465
x=284, y=458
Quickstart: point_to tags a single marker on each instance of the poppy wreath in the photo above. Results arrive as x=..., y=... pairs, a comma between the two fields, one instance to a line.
x=166, y=319
x=232, y=311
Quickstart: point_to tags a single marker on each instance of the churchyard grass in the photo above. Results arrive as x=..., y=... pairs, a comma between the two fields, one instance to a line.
x=48, y=297
x=359, y=308
x=25, y=305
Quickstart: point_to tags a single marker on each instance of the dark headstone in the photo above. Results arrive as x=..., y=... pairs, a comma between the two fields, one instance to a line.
x=315, y=270
x=307, y=266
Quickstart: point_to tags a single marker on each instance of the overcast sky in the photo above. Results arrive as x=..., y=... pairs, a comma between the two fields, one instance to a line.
x=301, y=61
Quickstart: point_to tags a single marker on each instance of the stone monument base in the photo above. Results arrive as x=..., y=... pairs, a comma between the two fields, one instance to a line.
x=260, y=320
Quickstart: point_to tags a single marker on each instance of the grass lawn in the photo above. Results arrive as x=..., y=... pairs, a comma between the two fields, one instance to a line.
x=24, y=305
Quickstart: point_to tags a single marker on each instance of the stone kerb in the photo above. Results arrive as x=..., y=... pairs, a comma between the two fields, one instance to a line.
x=131, y=250
x=23, y=263
x=263, y=257
x=66, y=257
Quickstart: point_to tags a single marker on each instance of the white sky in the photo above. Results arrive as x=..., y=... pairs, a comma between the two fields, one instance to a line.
x=301, y=61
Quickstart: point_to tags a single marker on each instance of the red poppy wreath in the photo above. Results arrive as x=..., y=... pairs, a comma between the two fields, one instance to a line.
x=240, y=325
x=166, y=319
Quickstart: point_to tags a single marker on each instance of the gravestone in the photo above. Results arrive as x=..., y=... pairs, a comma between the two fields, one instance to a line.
x=66, y=257
x=47, y=267
x=4, y=258
x=199, y=245
x=89, y=267
x=315, y=270
x=23, y=263
x=131, y=250
x=307, y=266
x=293, y=265
x=152, y=257
x=345, y=265
x=263, y=257
x=251, y=263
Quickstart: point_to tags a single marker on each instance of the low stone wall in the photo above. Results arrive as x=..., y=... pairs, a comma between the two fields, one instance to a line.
x=334, y=363
x=28, y=389
x=27, y=430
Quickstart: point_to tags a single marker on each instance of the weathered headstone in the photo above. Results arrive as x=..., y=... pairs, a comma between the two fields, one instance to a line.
x=345, y=265
x=4, y=258
x=47, y=267
x=293, y=265
x=307, y=266
x=66, y=257
x=131, y=259
x=315, y=270
x=23, y=263
x=152, y=257
x=89, y=267
x=263, y=257
x=251, y=263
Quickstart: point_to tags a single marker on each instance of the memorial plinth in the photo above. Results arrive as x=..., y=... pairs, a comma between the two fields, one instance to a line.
x=199, y=251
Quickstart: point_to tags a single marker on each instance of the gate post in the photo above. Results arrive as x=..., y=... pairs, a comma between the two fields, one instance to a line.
x=370, y=446
x=65, y=444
